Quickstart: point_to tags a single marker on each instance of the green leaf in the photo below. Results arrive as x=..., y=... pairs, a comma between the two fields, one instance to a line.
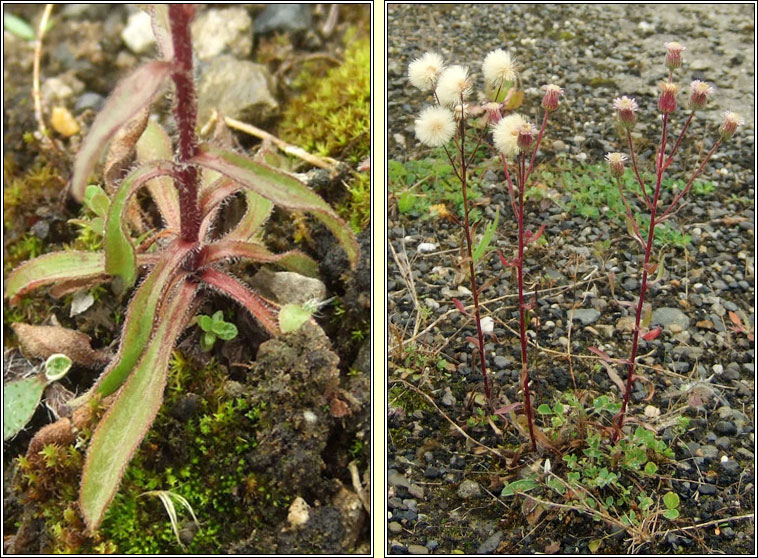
x=155, y=144
x=671, y=500
x=53, y=268
x=544, y=409
x=18, y=27
x=556, y=485
x=484, y=244
x=257, y=213
x=56, y=367
x=651, y=468
x=138, y=324
x=207, y=340
x=558, y=408
x=293, y=260
x=131, y=95
x=284, y=190
x=225, y=330
x=96, y=200
x=20, y=400
x=125, y=424
x=671, y=514
x=292, y=316
x=523, y=485
x=218, y=316
x=205, y=322
x=120, y=259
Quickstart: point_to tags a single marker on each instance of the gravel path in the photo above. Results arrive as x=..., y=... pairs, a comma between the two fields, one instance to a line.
x=442, y=490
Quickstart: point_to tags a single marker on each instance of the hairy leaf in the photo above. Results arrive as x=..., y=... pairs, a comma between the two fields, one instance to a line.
x=120, y=259
x=20, y=400
x=293, y=260
x=138, y=323
x=125, y=424
x=284, y=190
x=258, y=211
x=154, y=144
x=483, y=247
x=161, y=29
x=51, y=268
x=130, y=96
x=262, y=310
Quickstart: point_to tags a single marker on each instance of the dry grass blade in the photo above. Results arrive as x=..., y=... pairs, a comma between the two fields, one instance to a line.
x=406, y=273
x=167, y=499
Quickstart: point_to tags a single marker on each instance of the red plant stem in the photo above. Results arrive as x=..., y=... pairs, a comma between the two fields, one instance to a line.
x=474, y=289
x=681, y=194
x=634, y=166
x=643, y=288
x=536, y=147
x=521, y=305
x=185, y=113
x=678, y=140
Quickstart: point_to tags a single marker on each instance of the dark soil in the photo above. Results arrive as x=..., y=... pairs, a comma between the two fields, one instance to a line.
x=324, y=377
x=440, y=438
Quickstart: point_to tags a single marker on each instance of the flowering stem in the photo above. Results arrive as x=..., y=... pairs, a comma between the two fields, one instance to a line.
x=634, y=166
x=469, y=252
x=679, y=140
x=643, y=288
x=681, y=194
x=522, y=305
x=185, y=112
x=536, y=146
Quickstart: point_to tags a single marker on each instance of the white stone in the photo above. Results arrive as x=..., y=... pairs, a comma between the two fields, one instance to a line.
x=138, y=33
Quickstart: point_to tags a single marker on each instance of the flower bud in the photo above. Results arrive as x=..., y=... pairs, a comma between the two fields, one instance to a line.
x=493, y=112
x=673, y=55
x=626, y=109
x=616, y=163
x=550, y=100
x=699, y=91
x=526, y=132
x=732, y=121
x=667, y=100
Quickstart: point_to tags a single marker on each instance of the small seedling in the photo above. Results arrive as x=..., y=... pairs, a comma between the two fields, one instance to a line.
x=213, y=327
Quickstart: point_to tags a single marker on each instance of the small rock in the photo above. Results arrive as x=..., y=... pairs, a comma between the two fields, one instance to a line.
x=586, y=315
x=64, y=122
x=138, y=33
x=723, y=443
x=469, y=489
x=448, y=399
x=416, y=491
x=299, y=512
x=490, y=545
x=730, y=466
x=725, y=428
x=395, y=528
x=706, y=489
x=288, y=287
x=417, y=549
x=236, y=88
x=89, y=100
x=218, y=31
x=283, y=17
x=668, y=317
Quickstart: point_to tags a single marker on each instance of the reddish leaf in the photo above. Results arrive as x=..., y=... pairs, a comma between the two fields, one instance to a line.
x=459, y=306
x=652, y=334
x=505, y=262
x=508, y=408
x=602, y=354
x=262, y=310
x=529, y=237
x=293, y=260
x=130, y=96
x=473, y=340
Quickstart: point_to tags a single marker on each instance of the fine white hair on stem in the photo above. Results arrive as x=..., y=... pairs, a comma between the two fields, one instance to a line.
x=505, y=134
x=453, y=85
x=435, y=126
x=498, y=68
x=423, y=72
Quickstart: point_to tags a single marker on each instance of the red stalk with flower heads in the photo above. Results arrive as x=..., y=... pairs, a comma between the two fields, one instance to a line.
x=626, y=116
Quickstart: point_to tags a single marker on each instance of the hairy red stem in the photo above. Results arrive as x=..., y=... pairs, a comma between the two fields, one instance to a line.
x=185, y=112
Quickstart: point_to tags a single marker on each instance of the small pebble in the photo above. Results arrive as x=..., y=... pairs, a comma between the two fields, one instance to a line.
x=64, y=122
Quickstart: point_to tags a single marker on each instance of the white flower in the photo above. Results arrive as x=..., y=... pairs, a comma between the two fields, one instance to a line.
x=423, y=72
x=454, y=83
x=498, y=68
x=488, y=325
x=435, y=126
x=505, y=134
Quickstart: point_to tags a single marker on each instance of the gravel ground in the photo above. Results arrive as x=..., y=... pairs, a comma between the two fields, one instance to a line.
x=443, y=491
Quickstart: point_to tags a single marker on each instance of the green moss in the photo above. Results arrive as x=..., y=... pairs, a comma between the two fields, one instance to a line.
x=357, y=209
x=333, y=116
x=202, y=457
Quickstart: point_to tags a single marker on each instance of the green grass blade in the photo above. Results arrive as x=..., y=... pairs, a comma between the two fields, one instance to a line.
x=125, y=424
x=284, y=190
x=52, y=268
